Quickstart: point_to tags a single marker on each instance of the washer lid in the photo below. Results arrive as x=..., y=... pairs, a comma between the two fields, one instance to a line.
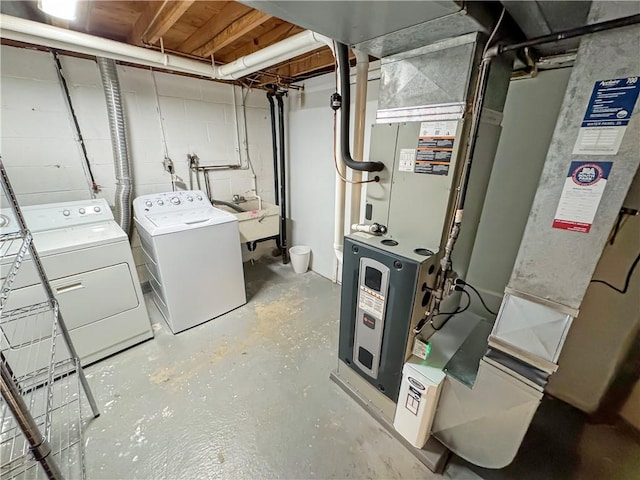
x=169, y=222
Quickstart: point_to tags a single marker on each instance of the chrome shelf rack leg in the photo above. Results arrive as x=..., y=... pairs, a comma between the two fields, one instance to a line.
x=36, y=391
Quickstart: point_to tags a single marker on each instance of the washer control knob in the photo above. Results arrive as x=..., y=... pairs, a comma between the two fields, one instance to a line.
x=199, y=197
x=175, y=200
x=190, y=199
x=82, y=211
x=148, y=203
x=66, y=213
x=160, y=202
x=96, y=209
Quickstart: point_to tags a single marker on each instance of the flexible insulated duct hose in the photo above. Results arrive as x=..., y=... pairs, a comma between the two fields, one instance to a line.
x=117, y=127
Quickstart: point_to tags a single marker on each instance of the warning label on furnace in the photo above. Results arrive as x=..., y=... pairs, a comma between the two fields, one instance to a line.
x=371, y=302
x=435, y=147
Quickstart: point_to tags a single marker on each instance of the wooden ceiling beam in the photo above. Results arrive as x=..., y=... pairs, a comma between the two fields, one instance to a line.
x=157, y=19
x=305, y=64
x=268, y=38
x=233, y=32
x=229, y=13
x=321, y=59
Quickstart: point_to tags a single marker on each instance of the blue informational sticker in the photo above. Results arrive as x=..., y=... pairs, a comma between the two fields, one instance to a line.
x=612, y=102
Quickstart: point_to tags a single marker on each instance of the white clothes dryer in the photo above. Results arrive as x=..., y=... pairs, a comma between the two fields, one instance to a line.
x=88, y=260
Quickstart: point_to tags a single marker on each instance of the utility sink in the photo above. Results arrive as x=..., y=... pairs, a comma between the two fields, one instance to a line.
x=255, y=223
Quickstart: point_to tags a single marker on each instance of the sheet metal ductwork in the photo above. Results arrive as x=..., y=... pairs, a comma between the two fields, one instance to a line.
x=117, y=127
x=383, y=28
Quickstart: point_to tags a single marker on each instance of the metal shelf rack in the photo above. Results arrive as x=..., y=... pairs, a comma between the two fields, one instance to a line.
x=41, y=378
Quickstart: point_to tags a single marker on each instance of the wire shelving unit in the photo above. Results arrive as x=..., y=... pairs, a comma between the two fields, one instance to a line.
x=41, y=379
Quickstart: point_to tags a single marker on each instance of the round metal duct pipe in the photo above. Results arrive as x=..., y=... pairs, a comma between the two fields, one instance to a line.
x=117, y=127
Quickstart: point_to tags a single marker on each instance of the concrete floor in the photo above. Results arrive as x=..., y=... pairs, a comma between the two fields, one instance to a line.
x=248, y=395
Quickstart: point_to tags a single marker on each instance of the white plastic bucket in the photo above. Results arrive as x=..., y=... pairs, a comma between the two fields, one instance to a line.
x=299, y=256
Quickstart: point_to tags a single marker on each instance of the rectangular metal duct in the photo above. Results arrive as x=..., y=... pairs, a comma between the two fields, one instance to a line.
x=383, y=28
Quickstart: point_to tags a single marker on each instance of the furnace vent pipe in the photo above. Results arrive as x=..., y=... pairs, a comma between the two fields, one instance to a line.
x=117, y=127
x=359, y=122
x=342, y=52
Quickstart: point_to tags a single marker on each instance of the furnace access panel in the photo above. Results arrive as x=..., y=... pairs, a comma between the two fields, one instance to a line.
x=412, y=197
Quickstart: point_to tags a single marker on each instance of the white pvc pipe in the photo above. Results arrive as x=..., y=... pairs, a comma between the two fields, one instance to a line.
x=340, y=193
x=299, y=44
x=362, y=80
x=27, y=31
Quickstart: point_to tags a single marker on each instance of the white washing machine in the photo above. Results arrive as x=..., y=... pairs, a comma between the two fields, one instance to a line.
x=193, y=257
x=88, y=261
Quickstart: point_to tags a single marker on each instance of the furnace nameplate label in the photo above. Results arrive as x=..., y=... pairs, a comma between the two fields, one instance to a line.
x=371, y=302
x=583, y=189
x=435, y=147
x=608, y=113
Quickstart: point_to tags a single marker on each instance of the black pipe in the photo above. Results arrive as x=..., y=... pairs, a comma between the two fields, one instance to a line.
x=483, y=77
x=231, y=205
x=454, y=232
x=74, y=118
x=283, y=181
x=274, y=144
x=342, y=52
x=572, y=33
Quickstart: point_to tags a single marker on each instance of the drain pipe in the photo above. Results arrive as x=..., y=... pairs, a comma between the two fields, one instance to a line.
x=274, y=145
x=341, y=136
x=117, y=127
x=362, y=80
x=283, y=181
x=342, y=52
x=340, y=191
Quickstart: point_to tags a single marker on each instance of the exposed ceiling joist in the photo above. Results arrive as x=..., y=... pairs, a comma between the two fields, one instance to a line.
x=268, y=38
x=316, y=60
x=231, y=12
x=157, y=19
x=233, y=32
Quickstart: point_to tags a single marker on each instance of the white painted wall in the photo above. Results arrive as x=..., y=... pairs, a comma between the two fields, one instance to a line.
x=44, y=160
x=312, y=169
x=38, y=147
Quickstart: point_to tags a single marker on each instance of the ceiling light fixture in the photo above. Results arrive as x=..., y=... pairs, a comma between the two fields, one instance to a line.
x=65, y=9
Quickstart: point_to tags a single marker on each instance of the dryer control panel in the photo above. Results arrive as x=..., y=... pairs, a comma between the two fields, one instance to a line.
x=59, y=215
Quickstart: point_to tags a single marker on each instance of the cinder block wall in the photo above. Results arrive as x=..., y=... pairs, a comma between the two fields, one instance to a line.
x=44, y=159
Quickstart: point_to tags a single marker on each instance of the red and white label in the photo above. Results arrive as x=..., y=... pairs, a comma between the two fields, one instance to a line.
x=581, y=195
